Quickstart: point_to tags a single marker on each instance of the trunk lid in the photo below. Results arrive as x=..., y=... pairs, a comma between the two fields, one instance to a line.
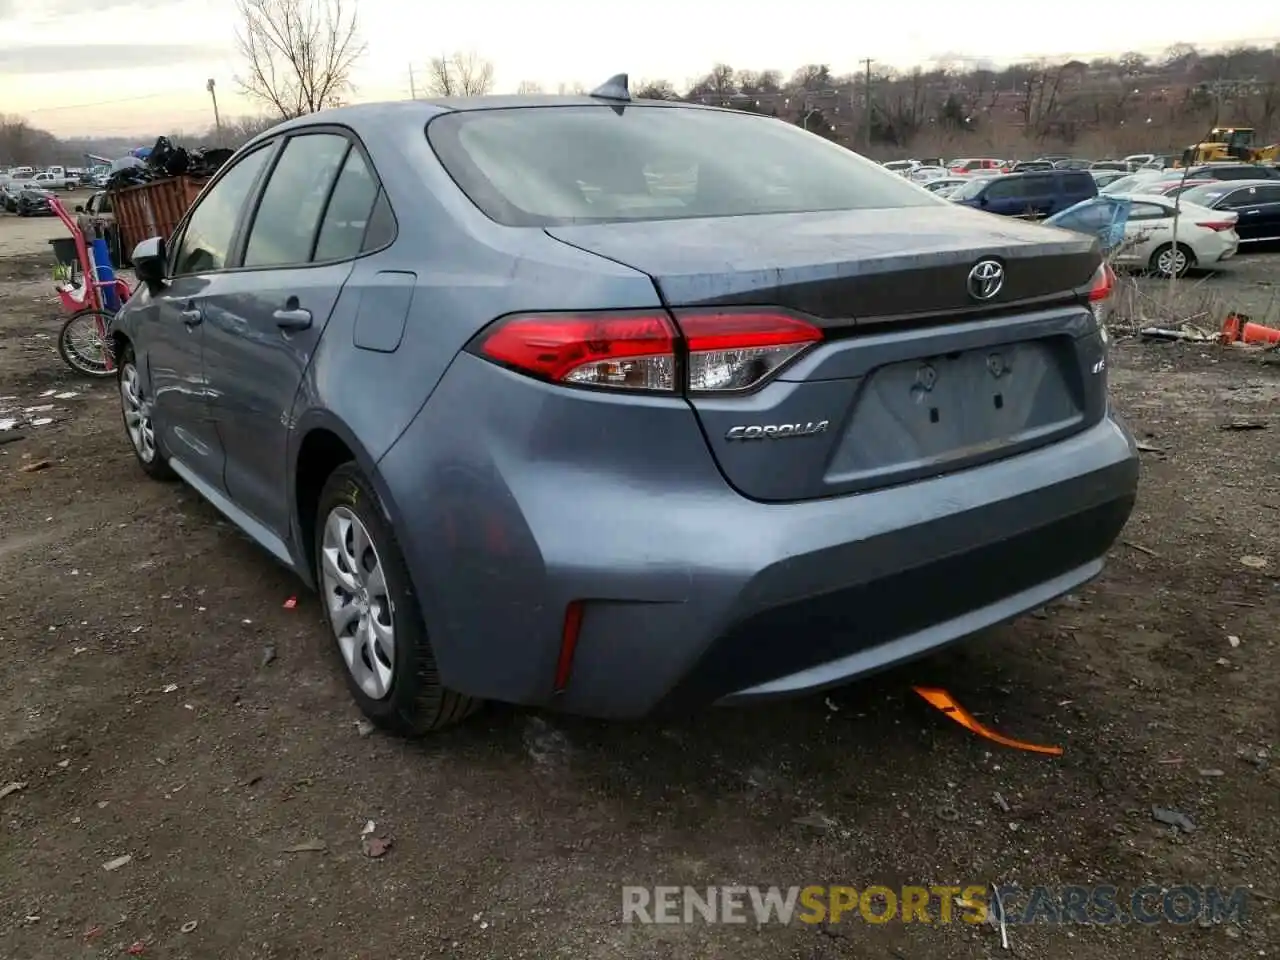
x=916, y=376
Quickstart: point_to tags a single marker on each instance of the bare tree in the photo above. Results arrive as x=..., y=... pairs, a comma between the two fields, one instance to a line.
x=529, y=86
x=716, y=87
x=574, y=88
x=300, y=53
x=238, y=131
x=460, y=75
x=656, y=90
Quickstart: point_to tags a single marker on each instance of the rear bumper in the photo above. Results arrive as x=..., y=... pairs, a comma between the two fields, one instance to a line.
x=692, y=593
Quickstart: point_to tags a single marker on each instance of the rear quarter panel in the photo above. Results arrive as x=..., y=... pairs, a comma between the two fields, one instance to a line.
x=465, y=271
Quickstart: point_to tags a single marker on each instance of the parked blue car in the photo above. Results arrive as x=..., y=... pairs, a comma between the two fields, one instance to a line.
x=618, y=406
x=1030, y=195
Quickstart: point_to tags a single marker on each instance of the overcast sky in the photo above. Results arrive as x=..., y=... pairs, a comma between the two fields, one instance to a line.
x=58, y=69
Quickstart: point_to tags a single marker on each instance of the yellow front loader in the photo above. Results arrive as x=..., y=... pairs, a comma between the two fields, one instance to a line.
x=1227, y=144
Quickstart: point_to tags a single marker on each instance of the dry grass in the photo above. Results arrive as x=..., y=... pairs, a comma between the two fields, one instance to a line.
x=1197, y=303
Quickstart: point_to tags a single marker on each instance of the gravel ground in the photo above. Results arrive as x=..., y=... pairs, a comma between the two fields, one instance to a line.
x=161, y=700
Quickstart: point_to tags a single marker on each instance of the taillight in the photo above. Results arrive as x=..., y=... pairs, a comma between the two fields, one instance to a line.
x=720, y=350
x=630, y=351
x=1104, y=281
x=1217, y=226
x=738, y=350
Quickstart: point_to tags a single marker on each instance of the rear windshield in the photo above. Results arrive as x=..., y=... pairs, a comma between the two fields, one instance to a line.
x=549, y=166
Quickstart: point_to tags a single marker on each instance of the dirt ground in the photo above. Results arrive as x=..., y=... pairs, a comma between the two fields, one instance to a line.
x=160, y=700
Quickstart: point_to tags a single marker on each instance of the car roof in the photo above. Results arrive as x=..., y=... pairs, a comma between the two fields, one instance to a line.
x=1056, y=171
x=1157, y=198
x=398, y=110
x=1233, y=184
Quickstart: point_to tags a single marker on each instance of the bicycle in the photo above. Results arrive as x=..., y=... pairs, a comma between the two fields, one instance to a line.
x=83, y=341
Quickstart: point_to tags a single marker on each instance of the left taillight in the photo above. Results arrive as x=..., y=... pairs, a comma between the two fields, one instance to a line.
x=627, y=351
x=703, y=351
x=1104, y=281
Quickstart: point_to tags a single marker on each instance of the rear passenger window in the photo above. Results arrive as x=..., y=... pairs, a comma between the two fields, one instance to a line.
x=285, y=225
x=382, y=224
x=1269, y=194
x=346, y=220
x=1240, y=198
x=1148, y=211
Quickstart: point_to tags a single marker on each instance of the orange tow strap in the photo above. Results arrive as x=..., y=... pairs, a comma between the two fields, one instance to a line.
x=940, y=699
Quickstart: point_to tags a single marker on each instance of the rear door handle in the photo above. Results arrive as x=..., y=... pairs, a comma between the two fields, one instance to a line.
x=298, y=319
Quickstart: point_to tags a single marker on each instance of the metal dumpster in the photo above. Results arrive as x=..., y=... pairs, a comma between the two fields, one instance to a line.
x=153, y=209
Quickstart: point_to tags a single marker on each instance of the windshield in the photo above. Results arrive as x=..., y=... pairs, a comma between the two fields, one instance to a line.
x=548, y=166
x=1131, y=184
x=970, y=189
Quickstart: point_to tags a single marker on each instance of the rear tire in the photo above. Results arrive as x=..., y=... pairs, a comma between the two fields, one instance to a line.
x=1167, y=262
x=373, y=616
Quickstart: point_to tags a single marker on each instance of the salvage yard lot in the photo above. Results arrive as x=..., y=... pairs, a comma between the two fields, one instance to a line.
x=161, y=700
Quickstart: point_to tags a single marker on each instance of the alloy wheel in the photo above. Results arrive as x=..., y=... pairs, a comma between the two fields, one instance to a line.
x=137, y=414
x=1171, y=263
x=360, y=611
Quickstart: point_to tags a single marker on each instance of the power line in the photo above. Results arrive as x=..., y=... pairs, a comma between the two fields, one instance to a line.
x=99, y=103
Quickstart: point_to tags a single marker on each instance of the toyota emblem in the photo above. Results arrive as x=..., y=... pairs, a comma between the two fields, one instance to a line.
x=986, y=279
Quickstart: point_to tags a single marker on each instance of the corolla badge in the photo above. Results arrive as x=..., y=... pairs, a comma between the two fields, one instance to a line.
x=777, y=431
x=986, y=279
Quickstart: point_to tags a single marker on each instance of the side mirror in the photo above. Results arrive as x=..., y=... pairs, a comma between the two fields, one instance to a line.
x=79, y=208
x=148, y=261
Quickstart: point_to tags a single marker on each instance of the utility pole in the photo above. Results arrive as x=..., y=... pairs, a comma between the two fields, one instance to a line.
x=217, y=118
x=413, y=90
x=867, y=63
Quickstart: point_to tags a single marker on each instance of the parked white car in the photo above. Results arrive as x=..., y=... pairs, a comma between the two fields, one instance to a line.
x=1205, y=237
x=902, y=168
x=945, y=186
x=1136, y=182
x=926, y=174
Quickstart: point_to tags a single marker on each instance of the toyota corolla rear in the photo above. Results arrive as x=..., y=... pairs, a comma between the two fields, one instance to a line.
x=846, y=423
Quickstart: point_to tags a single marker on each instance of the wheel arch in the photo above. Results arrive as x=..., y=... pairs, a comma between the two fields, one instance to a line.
x=323, y=443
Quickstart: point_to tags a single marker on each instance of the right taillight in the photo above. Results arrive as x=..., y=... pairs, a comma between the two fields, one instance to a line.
x=1217, y=226
x=739, y=350
x=704, y=351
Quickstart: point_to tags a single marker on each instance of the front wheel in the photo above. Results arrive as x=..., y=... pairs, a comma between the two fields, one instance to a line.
x=374, y=616
x=84, y=346
x=138, y=424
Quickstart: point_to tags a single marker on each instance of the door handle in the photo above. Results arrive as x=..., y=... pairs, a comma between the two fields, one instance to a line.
x=1252, y=213
x=191, y=316
x=297, y=319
